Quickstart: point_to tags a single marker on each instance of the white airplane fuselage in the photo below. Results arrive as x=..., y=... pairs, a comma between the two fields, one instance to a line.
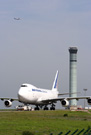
x=30, y=94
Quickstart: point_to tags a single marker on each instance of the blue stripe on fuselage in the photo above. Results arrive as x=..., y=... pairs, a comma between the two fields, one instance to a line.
x=39, y=90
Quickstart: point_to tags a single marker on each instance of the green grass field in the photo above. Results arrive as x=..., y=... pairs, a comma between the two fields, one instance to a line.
x=42, y=122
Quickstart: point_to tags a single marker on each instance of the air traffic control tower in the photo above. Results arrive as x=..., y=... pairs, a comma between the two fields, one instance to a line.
x=73, y=75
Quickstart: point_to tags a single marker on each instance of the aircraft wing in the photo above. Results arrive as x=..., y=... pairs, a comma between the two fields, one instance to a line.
x=50, y=100
x=67, y=93
x=11, y=99
x=77, y=98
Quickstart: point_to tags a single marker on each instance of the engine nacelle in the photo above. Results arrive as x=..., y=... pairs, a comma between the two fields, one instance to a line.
x=89, y=101
x=65, y=103
x=8, y=103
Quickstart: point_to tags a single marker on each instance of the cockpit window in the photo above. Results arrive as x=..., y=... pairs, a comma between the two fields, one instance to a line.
x=23, y=85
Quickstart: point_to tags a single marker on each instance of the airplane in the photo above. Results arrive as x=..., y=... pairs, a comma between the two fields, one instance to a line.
x=17, y=19
x=29, y=94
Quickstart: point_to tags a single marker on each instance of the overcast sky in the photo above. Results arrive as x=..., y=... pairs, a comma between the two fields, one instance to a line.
x=33, y=48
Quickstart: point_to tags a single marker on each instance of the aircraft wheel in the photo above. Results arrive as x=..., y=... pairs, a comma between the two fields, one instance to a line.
x=52, y=108
x=36, y=108
x=46, y=108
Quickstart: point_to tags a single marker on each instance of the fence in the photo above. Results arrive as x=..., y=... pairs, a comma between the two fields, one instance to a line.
x=76, y=132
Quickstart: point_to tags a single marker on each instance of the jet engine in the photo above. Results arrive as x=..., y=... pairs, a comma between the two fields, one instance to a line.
x=89, y=101
x=8, y=103
x=65, y=103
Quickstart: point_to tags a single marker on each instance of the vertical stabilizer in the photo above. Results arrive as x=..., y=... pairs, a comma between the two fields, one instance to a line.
x=55, y=86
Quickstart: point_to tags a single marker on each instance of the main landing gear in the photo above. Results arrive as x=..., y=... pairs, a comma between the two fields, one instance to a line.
x=37, y=108
x=52, y=107
x=45, y=107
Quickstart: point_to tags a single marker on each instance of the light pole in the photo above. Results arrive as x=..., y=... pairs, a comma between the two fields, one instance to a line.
x=84, y=95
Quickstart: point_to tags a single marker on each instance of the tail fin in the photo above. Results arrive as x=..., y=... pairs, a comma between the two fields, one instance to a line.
x=54, y=87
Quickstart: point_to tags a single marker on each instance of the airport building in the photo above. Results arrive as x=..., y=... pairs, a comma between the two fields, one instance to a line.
x=73, y=75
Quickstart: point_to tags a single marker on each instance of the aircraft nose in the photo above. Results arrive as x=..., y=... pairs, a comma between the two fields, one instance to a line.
x=20, y=94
